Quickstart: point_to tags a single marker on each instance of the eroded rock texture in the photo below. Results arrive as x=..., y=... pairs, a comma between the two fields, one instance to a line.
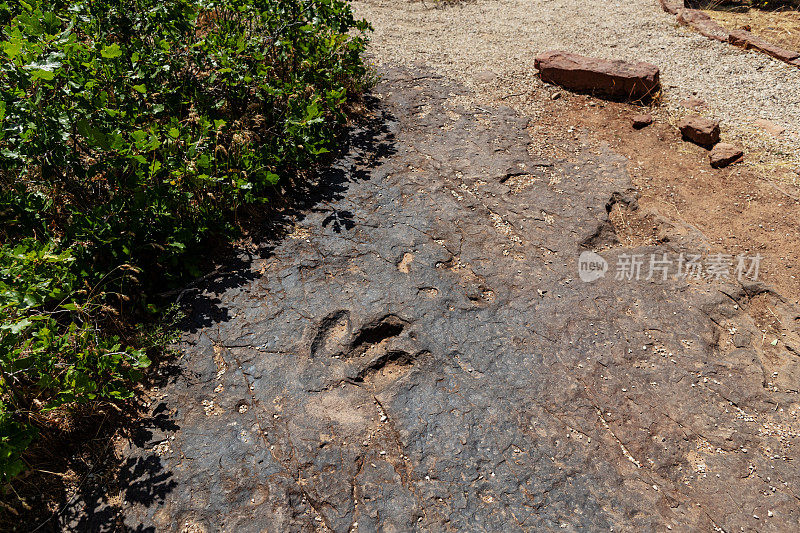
x=419, y=354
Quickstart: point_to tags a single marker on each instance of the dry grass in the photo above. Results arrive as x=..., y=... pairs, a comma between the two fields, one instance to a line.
x=778, y=27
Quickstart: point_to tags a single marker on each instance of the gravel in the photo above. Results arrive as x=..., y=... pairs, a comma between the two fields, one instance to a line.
x=490, y=45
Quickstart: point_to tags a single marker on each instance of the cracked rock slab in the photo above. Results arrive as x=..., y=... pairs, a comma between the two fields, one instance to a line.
x=419, y=354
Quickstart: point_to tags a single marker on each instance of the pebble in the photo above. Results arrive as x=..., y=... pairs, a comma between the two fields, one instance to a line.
x=642, y=120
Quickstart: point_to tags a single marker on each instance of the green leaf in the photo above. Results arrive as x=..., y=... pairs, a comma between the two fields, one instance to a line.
x=42, y=75
x=17, y=327
x=12, y=48
x=93, y=135
x=111, y=51
x=44, y=70
x=140, y=89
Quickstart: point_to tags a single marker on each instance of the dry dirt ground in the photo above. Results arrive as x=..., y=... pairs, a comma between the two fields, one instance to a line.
x=738, y=209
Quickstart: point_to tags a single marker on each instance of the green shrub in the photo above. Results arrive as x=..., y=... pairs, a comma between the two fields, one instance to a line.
x=131, y=131
x=52, y=352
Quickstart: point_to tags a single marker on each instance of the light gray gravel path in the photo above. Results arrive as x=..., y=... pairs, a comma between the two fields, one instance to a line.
x=476, y=40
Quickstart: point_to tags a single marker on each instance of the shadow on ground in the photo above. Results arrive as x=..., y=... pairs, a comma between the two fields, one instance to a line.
x=142, y=480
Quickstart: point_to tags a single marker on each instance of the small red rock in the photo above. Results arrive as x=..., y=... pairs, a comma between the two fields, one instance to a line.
x=724, y=154
x=700, y=130
x=642, y=121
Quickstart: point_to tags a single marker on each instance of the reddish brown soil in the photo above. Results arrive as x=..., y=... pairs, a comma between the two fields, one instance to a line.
x=738, y=209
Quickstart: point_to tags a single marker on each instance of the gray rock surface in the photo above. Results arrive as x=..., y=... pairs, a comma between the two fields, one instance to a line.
x=418, y=353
